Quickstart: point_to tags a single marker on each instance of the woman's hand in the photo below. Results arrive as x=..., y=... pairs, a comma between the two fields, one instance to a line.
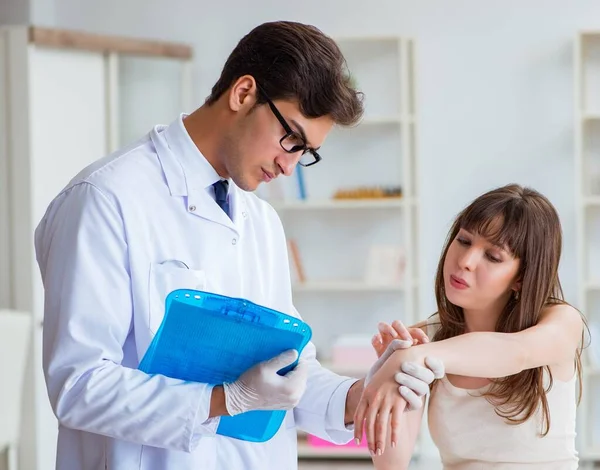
x=397, y=330
x=381, y=405
x=390, y=338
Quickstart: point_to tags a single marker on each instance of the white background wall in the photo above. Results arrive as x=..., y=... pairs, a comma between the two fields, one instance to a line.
x=18, y=12
x=14, y=11
x=495, y=83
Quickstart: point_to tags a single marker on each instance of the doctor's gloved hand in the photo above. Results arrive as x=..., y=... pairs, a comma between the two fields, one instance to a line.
x=414, y=379
x=394, y=345
x=262, y=388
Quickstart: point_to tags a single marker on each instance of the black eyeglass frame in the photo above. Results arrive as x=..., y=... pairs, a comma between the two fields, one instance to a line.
x=290, y=132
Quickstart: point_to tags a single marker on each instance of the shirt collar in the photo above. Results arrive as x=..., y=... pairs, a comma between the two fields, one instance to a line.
x=194, y=172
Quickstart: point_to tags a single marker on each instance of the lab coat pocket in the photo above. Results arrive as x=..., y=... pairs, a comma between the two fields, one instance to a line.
x=165, y=277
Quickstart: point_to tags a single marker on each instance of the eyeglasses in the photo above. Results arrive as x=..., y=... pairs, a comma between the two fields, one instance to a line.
x=292, y=141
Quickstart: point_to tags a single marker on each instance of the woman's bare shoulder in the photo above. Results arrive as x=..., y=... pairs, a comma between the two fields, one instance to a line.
x=433, y=321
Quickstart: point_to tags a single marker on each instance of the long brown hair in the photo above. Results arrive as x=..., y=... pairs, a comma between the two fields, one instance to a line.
x=527, y=223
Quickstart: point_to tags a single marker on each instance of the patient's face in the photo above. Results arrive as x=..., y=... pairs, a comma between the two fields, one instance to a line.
x=478, y=274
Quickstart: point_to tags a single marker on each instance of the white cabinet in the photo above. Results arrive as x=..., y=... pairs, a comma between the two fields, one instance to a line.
x=66, y=99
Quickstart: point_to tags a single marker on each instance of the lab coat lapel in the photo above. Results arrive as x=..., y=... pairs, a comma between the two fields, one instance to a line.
x=238, y=209
x=202, y=204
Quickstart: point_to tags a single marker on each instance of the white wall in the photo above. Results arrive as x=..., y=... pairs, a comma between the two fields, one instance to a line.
x=495, y=85
x=42, y=12
x=14, y=12
x=19, y=12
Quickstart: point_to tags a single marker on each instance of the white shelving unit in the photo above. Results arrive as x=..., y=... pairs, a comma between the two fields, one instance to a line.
x=592, y=201
x=345, y=286
x=337, y=204
x=587, y=171
x=335, y=236
x=67, y=98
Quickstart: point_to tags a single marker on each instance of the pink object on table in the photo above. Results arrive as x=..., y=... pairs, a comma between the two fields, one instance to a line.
x=353, y=351
x=315, y=441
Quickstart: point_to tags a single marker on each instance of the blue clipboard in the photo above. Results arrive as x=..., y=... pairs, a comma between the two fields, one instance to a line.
x=210, y=338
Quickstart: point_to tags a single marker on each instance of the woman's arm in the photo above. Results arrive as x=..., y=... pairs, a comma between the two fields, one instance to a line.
x=554, y=340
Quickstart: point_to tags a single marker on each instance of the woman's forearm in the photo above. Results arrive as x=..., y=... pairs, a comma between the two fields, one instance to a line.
x=479, y=354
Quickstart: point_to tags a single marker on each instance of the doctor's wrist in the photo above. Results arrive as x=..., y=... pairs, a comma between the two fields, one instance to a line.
x=217, y=402
x=352, y=400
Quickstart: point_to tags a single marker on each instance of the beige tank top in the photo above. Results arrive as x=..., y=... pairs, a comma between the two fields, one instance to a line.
x=470, y=436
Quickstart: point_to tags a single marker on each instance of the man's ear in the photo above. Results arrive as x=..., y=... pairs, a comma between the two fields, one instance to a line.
x=242, y=94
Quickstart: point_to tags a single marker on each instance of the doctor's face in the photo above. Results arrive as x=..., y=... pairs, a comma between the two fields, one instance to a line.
x=255, y=153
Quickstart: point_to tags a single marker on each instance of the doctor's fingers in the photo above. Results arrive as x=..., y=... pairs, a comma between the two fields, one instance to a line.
x=296, y=379
x=399, y=344
x=417, y=371
x=281, y=361
x=416, y=385
x=385, y=351
x=436, y=366
x=413, y=401
x=299, y=373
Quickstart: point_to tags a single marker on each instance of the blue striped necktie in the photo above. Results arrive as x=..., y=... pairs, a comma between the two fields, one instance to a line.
x=221, y=188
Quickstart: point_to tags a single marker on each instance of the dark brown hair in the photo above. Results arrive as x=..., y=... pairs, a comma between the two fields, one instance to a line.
x=294, y=61
x=527, y=223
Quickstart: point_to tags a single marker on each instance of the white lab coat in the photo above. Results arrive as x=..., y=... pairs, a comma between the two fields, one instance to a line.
x=125, y=232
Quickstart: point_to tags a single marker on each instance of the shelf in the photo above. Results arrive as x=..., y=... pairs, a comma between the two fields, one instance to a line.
x=345, y=286
x=593, y=286
x=383, y=203
x=591, y=201
x=592, y=34
x=588, y=117
x=590, y=455
x=306, y=451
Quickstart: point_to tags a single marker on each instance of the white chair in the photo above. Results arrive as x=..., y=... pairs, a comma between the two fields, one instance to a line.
x=15, y=339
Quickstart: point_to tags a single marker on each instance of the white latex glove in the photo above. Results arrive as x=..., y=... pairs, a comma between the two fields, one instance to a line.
x=414, y=380
x=261, y=388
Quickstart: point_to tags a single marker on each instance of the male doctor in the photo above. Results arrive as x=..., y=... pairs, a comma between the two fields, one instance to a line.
x=175, y=210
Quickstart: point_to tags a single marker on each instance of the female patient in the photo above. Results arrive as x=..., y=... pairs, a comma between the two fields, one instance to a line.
x=509, y=343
